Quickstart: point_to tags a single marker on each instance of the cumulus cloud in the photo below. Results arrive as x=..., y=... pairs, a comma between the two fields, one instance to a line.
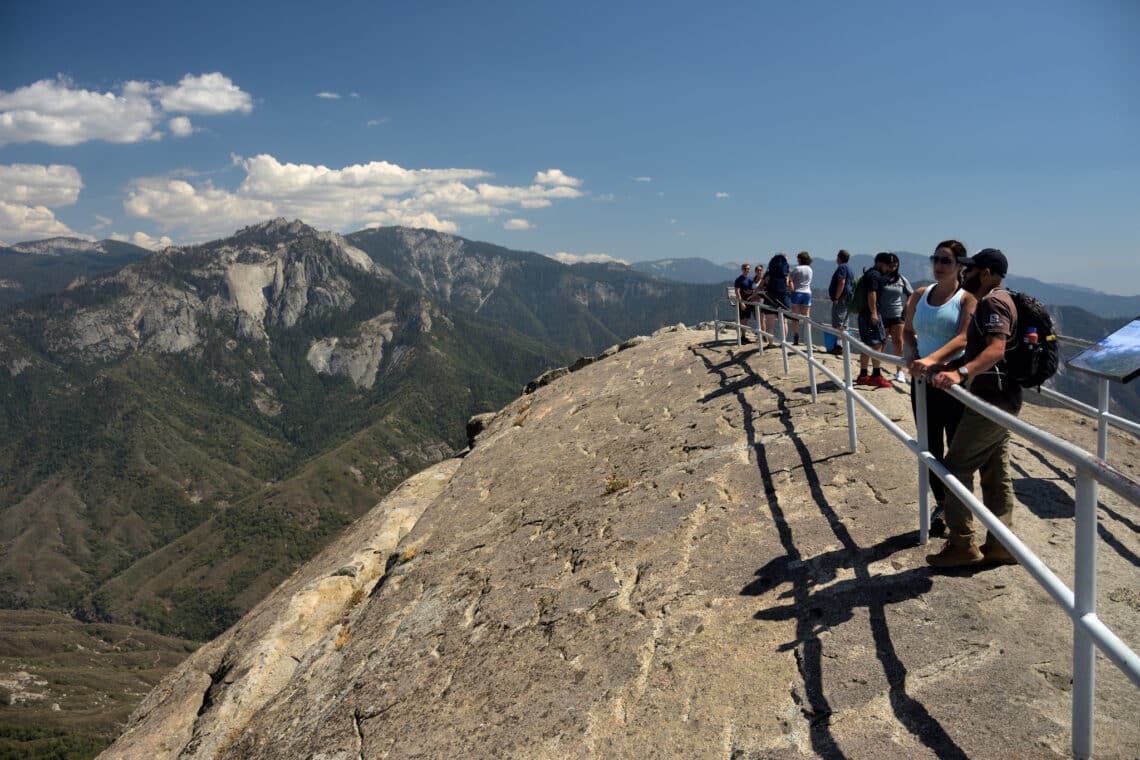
x=369, y=195
x=54, y=185
x=642, y=179
x=57, y=112
x=144, y=240
x=328, y=95
x=180, y=126
x=29, y=192
x=586, y=258
x=556, y=177
x=721, y=196
x=20, y=222
x=516, y=224
x=212, y=93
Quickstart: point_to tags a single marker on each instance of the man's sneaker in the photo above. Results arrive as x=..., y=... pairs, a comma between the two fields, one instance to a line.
x=878, y=381
x=994, y=553
x=863, y=380
x=900, y=376
x=955, y=556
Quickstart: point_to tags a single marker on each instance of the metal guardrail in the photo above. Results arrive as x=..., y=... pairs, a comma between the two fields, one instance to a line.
x=1089, y=632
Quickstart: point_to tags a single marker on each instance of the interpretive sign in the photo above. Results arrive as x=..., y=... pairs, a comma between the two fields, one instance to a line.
x=1116, y=357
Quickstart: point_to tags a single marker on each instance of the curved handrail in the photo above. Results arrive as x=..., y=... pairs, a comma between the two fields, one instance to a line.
x=1079, y=603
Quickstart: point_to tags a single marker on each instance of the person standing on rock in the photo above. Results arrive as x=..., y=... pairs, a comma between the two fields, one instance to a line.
x=744, y=287
x=934, y=334
x=871, y=324
x=892, y=300
x=842, y=281
x=979, y=444
x=800, y=297
x=776, y=285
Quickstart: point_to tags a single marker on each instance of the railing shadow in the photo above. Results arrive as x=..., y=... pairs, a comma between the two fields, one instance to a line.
x=816, y=610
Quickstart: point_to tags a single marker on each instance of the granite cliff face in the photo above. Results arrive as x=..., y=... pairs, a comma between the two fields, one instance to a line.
x=668, y=552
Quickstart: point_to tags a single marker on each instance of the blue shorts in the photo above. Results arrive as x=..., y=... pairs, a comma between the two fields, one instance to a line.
x=800, y=299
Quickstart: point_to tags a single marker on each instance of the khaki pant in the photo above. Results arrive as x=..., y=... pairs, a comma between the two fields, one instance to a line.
x=979, y=445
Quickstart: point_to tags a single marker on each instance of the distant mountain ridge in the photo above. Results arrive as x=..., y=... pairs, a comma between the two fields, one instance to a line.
x=693, y=269
x=36, y=267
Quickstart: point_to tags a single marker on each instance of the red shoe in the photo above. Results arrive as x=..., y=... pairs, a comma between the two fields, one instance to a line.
x=863, y=380
x=878, y=381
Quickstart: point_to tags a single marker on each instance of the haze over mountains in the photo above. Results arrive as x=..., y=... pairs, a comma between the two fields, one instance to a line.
x=915, y=267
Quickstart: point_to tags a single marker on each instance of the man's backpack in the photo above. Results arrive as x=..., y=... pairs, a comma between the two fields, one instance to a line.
x=857, y=298
x=1032, y=361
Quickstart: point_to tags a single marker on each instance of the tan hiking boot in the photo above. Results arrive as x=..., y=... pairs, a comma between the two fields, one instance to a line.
x=994, y=553
x=955, y=556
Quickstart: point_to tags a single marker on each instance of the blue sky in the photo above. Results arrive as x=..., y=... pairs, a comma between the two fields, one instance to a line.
x=633, y=130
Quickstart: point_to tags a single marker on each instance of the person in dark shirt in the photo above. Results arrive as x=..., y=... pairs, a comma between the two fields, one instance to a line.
x=980, y=444
x=871, y=330
x=744, y=288
x=776, y=291
x=842, y=281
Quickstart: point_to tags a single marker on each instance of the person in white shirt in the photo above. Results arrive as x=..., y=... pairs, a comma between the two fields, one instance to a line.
x=800, y=296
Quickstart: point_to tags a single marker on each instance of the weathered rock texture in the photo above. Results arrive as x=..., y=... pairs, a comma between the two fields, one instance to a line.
x=668, y=553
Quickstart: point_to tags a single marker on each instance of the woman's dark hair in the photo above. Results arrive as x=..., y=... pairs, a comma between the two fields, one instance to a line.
x=885, y=257
x=957, y=249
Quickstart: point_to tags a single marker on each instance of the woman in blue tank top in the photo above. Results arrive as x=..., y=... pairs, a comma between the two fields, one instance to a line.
x=935, y=333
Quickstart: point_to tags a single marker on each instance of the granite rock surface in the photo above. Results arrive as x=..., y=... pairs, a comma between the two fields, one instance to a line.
x=670, y=552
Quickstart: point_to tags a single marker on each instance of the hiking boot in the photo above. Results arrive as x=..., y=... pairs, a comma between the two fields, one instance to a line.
x=994, y=553
x=878, y=381
x=937, y=524
x=863, y=380
x=955, y=556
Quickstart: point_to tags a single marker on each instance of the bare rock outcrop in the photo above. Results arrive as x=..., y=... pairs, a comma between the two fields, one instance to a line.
x=669, y=552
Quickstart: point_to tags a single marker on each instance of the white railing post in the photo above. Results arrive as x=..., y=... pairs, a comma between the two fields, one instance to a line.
x=783, y=332
x=1084, y=603
x=1102, y=419
x=805, y=330
x=919, y=391
x=849, y=392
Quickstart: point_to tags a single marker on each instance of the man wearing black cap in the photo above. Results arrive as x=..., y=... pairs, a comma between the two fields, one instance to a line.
x=979, y=444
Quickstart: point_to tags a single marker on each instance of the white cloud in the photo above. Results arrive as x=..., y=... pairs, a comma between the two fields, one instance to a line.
x=180, y=126
x=328, y=95
x=56, y=112
x=29, y=192
x=587, y=258
x=642, y=179
x=604, y=197
x=36, y=184
x=378, y=122
x=516, y=224
x=212, y=93
x=20, y=222
x=101, y=222
x=354, y=94
x=556, y=177
x=721, y=196
x=672, y=221
x=144, y=240
x=361, y=195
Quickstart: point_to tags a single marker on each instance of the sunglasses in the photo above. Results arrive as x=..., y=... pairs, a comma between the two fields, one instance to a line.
x=943, y=260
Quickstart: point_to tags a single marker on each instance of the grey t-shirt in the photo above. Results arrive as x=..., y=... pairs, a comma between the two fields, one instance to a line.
x=892, y=297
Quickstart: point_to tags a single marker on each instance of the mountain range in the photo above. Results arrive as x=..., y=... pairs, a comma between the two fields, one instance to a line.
x=916, y=267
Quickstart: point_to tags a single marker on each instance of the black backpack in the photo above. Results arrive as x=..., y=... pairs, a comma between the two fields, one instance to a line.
x=1032, y=363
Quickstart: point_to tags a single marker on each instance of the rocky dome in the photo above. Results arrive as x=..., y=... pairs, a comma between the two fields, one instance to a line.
x=666, y=553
